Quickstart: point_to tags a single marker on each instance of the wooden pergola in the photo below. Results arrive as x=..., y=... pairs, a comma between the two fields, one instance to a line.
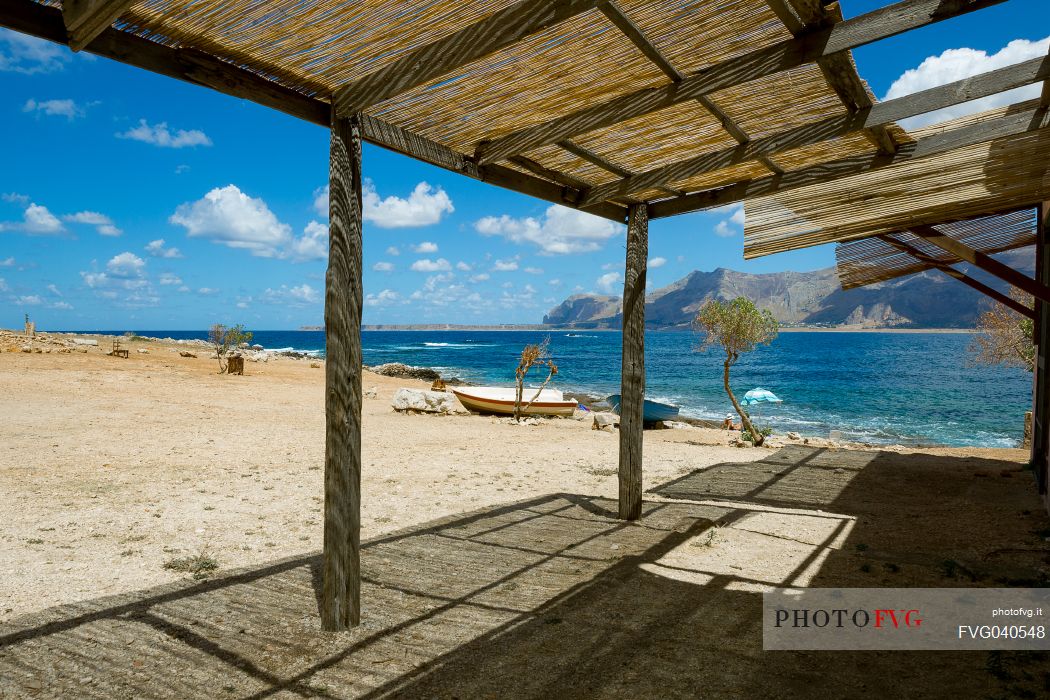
x=627, y=109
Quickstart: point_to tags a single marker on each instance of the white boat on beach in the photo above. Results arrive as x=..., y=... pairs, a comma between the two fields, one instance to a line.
x=500, y=400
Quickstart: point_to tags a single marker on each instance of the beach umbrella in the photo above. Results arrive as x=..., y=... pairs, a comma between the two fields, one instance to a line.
x=756, y=396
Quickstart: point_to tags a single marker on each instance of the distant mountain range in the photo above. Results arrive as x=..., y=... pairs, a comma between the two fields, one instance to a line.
x=926, y=300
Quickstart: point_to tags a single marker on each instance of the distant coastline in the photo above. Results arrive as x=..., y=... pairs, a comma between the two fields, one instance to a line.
x=577, y=329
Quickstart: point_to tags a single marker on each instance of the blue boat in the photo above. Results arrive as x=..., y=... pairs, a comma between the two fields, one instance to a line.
x=652, y=411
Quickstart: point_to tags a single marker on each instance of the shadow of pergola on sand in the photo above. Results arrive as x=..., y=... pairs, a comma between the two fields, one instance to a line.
x=555, y=597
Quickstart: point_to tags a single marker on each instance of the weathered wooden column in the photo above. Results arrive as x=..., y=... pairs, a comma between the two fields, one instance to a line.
x=1041, y=375
x=341, y=594
x=632, y=372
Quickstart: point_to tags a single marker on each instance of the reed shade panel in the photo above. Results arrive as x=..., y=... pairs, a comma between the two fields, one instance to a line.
x=999, y=175
x=321, y=46
x=581, y=63
x=871, y=260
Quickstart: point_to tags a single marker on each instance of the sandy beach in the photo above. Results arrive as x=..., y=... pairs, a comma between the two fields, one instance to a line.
x=110, y=468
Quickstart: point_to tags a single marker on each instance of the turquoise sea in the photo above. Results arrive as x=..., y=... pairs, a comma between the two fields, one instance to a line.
x=908, y=388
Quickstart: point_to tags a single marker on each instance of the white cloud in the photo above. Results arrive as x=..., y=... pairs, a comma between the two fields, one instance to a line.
x=54, y=290
x=54, y=108
x=463, y=267
x=7, y=262
x=427, y=265
x=3, y=285
x=385, y=297
x=293, y=296
x=31, y=300
x=169, y=279
x=481, y=277
x=425, y=247
x=126, y=266
x=956, y=64
x=561, y=230
x=554, y=282
x=230, y=217
x=160, y=135
x=313, y=245
x=609, y=282
x=21, y=53
x=534, y=270
x=505, y=266
x=127, y=272
x=321, y=201
x=424, y=207
x=207, y=291
x=156, y=249
x=657, y=262
x=36, y=220
x=393, y=251
x=383, y=267
x=734, y=216
x=61, y=305
x=102, y=223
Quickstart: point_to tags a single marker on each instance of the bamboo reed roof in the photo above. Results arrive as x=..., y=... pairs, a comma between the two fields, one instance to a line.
x=877, y=259
x=992, y=176
x=595, y=104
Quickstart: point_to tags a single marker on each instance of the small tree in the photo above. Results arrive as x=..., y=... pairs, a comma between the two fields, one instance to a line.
x=226, y=339
x=738, y=326
x=1004, y=337
x=532, y=356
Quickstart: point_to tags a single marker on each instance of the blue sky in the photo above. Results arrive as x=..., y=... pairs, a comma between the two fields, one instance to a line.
x=132, y=201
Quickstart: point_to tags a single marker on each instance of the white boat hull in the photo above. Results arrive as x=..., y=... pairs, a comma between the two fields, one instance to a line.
x=500, y=400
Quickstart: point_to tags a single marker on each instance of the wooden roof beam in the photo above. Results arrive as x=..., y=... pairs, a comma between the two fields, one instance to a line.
x=605, y=164
x=634, y=33
x=1023, y=118
x=786, y=55
x=982, y=261
x=638, y=38
x=1044, y=99
x=957, y=274
x=965, y=90
x=86, y=19
x=203, y=69
x=421, y=65
x=838, y=69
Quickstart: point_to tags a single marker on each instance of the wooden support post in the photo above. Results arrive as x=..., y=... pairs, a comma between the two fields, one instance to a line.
x=341, y=593
x=632, y=376
x=1041, y=373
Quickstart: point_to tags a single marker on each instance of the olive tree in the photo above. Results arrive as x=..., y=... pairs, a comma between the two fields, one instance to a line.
x=1005, y=337
x=226, y=339
x=737, y=326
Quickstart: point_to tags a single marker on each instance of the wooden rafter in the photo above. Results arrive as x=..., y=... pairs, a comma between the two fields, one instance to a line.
x=838, y=69
x=649, y=49
x=1044, y=99
x=606, y=164
x=786, y=55
x=983, y=85
x=86, y=19
x=1024, y=117
x=420, y=66
x=982, y=261
x=634, y=33
x=203, y=69
x=957, y=274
